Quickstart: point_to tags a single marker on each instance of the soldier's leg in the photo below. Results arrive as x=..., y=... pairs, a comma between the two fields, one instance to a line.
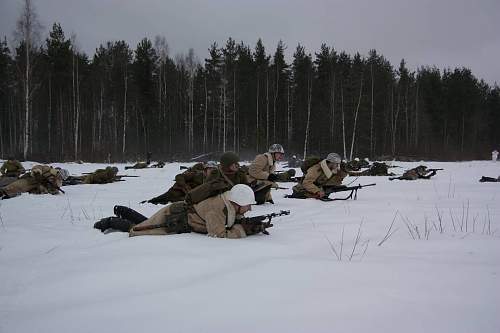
x=114, y=222
x=129, y=214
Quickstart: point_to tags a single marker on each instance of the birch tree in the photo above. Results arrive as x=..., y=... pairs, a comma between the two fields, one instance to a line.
x=28, y=33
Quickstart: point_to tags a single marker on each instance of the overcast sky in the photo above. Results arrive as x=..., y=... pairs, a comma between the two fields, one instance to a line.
x=445, y=33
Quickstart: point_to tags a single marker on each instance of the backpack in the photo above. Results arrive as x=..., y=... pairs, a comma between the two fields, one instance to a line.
x=309, y=162
x=207, y=190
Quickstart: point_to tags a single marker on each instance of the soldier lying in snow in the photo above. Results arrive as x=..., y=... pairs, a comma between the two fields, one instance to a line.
x=41, y=179
x=215, y=216
x=420, y=172
x=184, y=182
x=100, y=176
x=324, y=173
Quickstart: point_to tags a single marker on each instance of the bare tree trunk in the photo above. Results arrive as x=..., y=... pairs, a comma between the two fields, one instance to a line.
x=205, y=119
x=275, y=102
x=124, y=135
x=224, y=117
x=257, y=114
x=332, y=127
x=309, y=97
x=343, y=119
x=267, y=109
x=27, y=92
x=416, y=117
x=407, y=120
x=49, y=122
x=371, y=113
x=289, y=117
x=356, y=117
x=235, y=125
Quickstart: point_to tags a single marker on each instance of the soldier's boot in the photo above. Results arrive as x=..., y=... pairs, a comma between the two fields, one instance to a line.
x=113, y=222
x=129, y=214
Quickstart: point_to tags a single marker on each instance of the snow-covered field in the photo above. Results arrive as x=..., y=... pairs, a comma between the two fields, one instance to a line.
x=58, y=274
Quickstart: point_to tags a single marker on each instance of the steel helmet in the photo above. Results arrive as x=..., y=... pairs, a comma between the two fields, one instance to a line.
x=276, y=148
x=242, y=195
x=63, y=173
x=334, y=158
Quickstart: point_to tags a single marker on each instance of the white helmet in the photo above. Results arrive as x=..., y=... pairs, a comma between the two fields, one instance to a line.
x=276, y=148
x=242, y=195
x=63, y=173
x=334, y=158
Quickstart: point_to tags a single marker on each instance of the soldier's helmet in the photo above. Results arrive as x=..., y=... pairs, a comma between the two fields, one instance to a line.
x=63, y=173
x=229, y=158
x=291, y=172
x=276, y=148
x=334, y=158
x=242, y=195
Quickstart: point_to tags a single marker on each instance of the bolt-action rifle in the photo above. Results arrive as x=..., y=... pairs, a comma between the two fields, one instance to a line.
x=333, y=189
x=258, y=223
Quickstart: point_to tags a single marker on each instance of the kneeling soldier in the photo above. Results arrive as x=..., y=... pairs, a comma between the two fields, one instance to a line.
x=261, y=172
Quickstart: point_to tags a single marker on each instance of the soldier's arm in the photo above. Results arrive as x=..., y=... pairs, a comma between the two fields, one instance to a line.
x=256, y=169
x=216, y=226
x=308, y=182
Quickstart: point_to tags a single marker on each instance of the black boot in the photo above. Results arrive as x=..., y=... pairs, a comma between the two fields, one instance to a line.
x=102, y=224
x=113, y=222
x=129, y=214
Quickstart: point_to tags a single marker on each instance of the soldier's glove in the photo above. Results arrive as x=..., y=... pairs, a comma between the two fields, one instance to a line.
x=272, y=177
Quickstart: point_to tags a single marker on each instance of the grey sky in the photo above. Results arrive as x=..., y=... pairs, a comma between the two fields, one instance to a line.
x=445, y=33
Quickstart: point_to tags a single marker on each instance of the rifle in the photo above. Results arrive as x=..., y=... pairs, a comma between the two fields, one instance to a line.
x=125, y=176
x=183, y=167
x=257, y=222
x=354, y=190
x=434, y=169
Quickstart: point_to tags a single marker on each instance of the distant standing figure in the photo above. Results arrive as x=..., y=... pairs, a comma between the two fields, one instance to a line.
x=494, y=155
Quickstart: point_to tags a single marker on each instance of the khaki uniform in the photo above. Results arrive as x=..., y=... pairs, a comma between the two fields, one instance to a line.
x=377, y=169
x=317, y=177
x=42, y=179
x=214, y=216
x=101, y=176
x=11, y=168
x=260, y=169
x=139, y=165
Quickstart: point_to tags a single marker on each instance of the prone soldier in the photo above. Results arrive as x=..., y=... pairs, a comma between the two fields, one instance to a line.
x=216, y=216
x=318, y=177
x=41, y=179
x=420, y=172
x=185, y=182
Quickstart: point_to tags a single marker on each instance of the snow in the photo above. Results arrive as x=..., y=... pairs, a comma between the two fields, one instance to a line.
x=61, y=275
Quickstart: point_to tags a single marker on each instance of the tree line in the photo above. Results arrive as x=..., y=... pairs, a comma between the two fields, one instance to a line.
x=57, y=103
